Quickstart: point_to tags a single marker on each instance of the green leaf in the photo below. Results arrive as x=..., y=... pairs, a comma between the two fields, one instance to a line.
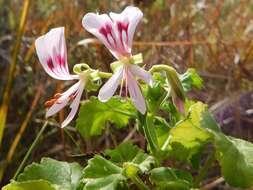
x=29, y=185
x=126, y=161
x=155, y=94
x=62, y=174
x=234, y=155
x=236, y=160
x=127, y=153
x=191, y=79
x=102, y=174
x=188, y=136
x=94, y=115
x=170, y=178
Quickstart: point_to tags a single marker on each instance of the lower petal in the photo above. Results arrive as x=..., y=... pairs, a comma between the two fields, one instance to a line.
x=63, y=100
x=136, y=94
x=141, y=73
x=74, y=106
x=109, y=88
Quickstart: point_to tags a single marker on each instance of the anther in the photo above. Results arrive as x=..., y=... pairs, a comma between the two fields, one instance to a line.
x=57, y=95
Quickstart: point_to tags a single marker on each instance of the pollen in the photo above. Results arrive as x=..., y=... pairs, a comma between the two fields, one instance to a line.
x=57, y=95
x=50, y=102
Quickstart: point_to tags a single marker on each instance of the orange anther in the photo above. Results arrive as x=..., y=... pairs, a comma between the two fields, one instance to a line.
x=50, y=102
x=57, y=95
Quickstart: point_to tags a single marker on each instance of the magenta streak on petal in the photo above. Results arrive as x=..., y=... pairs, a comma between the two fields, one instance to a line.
x=105, y=31
x=52, y=68
x=123, y=27
x=50, y=64
x=61, y=61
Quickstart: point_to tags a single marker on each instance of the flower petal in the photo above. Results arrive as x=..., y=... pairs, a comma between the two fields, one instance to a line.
x=142, y=74
x=126, y=23
x=135, y=93
x=117, y=34
x=103, y=28
x=109, y=88
x=52, y=53
x=74, y=106
x=63, y=100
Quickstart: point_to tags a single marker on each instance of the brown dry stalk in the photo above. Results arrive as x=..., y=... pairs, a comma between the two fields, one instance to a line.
x=21, y=130
x=11, y=73
x=24, y=124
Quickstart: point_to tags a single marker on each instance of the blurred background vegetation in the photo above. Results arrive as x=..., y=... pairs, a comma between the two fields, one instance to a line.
x=213, y=36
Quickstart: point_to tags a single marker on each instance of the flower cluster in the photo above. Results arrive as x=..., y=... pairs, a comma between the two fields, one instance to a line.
x=116, y=32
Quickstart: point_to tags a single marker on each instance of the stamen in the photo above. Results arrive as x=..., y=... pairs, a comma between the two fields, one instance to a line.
x=57, y=95
x=50, y=102
x=126, y=83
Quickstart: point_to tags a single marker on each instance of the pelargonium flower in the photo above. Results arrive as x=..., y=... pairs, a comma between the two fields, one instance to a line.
x=52, y=53
x=116, y=32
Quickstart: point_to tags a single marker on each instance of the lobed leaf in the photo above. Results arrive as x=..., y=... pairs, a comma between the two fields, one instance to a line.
x=62, y=174
x=30, y=185
x=188, y=136
x=127, y=153
x=102, y=174
x=94, y=115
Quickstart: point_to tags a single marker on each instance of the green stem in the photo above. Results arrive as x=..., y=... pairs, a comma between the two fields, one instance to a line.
x=203, y=171
x=30, y=150
x=139, y=183
x=104, y=74
x=166, y=143
x=146, y=126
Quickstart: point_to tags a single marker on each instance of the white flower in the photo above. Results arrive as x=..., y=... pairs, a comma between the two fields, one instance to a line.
x=116, y=31
x=52, y=53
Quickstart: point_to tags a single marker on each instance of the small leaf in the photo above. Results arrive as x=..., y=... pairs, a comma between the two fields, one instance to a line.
x=155, y=94
x=170, y=178
x=94, y=114
x=58, y=173
x=102, y=174
x=191, y=79
x=29, y=185
x=128, y=153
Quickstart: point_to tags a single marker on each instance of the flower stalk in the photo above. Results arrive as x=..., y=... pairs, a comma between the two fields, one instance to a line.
x=21, y=166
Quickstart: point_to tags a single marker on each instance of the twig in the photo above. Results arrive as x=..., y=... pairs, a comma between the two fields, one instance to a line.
x=213, y=184
x=130, y=135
